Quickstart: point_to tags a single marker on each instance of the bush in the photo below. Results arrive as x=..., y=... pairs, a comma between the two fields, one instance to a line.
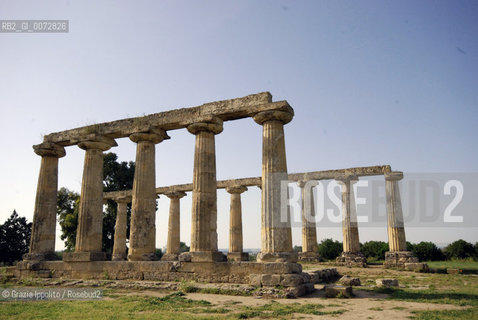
x=459, y=249
x=427, y=251
x=158, y=253
x=374, y=249
x=329, y=249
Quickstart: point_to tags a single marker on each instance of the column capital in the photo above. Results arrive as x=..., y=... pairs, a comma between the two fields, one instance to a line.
x=311, y=183
x=236, y=189
x=126, y=199
x=155, y=136
x=213, y=125
x=175, y=194
x=264, y=116
x=346, y=179
x=393, y=176
x=95, y=141
x=48, y=149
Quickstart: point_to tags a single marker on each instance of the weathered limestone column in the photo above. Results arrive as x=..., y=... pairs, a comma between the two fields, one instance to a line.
x=204, y=207
x=351, y=254
x=42, y=241
x=276, y=230
x=309, y=228
x=398, y=254
x=173, y=246
x=119, y=246
x=89, y=234
x=142, y=240
x=235, y=226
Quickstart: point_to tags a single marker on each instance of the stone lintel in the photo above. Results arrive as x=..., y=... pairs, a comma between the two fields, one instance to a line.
x=257, y=181
x=176, y=119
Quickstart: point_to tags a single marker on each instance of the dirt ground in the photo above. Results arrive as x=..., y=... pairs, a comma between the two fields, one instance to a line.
x=365, y=305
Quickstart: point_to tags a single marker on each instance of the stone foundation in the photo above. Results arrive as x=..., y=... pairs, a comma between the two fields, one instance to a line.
x=83, y=256
x=287, y=275
x=309, y=257
x=352, y=259
x=238, y=256
x=398, y=259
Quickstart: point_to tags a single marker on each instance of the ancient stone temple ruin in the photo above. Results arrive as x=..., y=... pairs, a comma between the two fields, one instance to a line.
x=276, y=263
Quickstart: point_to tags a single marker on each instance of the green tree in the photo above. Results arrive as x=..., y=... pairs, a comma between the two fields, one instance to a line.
x=297, y=248
x=14, y=238
x=329, y=249
x=427, y=251
x=183, y=247
x=116, y=176
x=374, y=249
x=68, y=203
x=459, y=249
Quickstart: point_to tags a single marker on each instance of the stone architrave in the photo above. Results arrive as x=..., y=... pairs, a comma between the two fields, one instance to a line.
x=204, y=196
x=309, y=228
x=142, y=241
x=351, y=254
x=276, y=230
x=89, y=234
x=174, y=244
x=235, y=225
x=42, y=241
x=398, y=254
x=119, y=246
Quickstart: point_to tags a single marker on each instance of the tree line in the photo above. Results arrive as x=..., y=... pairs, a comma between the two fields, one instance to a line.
x=330, y=249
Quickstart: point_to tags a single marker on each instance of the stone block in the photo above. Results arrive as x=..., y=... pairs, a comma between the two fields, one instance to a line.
x=349, y=281
x=184, y=257
x=416, y=267
x=170, y=257
x=238, y=256
x=84, y=256
x=271, y=280
x=334, y=291
x=255, y=280
x=291, y=280
x=281, y=268
x=207, y=256
x=277, y=257
x=386, y=283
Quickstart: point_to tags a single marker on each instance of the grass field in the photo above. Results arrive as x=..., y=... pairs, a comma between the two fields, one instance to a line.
x=456, y=296
x=455, y=264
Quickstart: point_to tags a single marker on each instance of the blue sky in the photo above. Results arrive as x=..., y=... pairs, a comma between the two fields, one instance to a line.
x=371, y=82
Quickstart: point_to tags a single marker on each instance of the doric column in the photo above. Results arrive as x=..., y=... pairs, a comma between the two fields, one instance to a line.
x=42, y=241
x=351, y=245
x=396, y=231
x=204, y=206
x=275, y=228
x=398, y=254
x=119, y=246
x=235, y=225
x=89, y=234
x=142, y=240
x=309, y=229
x=173, y=245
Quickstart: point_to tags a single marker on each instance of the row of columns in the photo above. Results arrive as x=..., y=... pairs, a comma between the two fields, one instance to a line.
x=276, y=236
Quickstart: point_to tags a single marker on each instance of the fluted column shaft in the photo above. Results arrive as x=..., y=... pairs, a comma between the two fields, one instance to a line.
x=349, y=215
x=42, y=241
x=119, y=246
x=396, y=230
x=143, y=209
x=309, y=228
x=235, y=219
x=204, y=197
x=275, y=227
x=173, y=245
x=89, y=234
